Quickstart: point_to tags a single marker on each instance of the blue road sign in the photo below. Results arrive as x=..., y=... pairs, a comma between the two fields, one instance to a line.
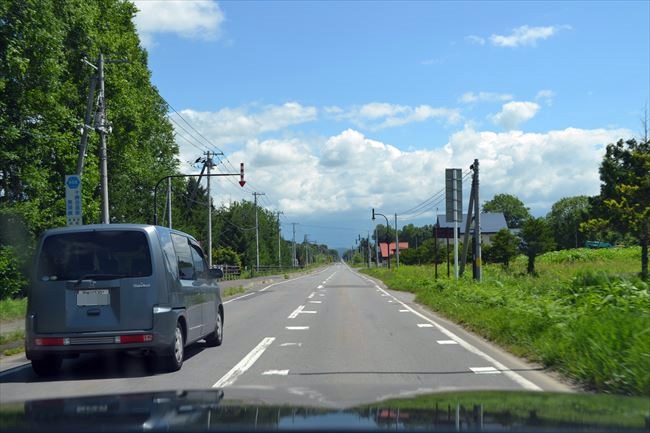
x=73, y=182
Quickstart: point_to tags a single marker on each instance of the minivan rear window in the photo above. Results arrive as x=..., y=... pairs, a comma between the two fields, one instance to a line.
x=94, y=254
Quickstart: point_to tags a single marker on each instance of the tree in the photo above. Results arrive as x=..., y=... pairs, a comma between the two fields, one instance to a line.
x=537, y=239
x=504, y=247
x=512, y=208
x=625, y=191
x=565, y=218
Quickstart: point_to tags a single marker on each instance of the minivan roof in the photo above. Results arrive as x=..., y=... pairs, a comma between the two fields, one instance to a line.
x=103, y=227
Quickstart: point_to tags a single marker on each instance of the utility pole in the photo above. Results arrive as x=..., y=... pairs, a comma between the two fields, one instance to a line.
x=102, y=128
x=169, y=201
x=376, y=247
x=368, y=248
x=257, y=234
x=86, y=126
x=473, y=211
x=293, y=246
x=208, y=165
x=396, y=242
x=279, y=255
x=477, y=226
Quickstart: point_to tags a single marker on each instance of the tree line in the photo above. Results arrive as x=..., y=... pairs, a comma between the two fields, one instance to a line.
x=43, y=91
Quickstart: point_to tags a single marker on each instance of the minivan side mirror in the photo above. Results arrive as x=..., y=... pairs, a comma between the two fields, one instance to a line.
x=215, y=273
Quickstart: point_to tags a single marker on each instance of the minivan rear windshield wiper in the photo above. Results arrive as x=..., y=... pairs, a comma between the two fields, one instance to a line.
x=99, y=277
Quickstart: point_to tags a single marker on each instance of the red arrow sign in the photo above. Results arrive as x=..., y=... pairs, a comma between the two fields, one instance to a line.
x=242, y=182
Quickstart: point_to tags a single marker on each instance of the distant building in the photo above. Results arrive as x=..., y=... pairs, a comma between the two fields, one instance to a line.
x=491, y=223
x=388, y=250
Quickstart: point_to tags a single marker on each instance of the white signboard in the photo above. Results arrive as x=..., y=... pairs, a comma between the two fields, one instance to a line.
x=73, y=200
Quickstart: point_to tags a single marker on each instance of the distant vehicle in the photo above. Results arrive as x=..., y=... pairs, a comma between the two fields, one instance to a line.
x=597, y=244
x=120, y=287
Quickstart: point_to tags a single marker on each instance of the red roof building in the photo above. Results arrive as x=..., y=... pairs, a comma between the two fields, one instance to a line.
x=385, y=249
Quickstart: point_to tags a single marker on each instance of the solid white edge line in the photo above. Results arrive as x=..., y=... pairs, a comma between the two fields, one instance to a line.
x=522, y=381
x=245, y=363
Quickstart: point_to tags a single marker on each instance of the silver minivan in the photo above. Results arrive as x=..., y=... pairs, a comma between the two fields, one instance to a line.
x=120, y=287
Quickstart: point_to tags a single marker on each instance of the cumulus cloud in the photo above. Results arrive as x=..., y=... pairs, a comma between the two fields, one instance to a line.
x=471, y=97
x=187, y=19
x=349, y=173
x=523, y=36
x=236, y=125
x=380, y=115
x=515, y=113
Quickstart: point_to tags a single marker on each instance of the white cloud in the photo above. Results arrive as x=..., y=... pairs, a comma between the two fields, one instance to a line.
x=523, y=36
x=471, y=97
x=477, y=40
x=515, y=113
x=380, y=115
x=236, y=125
x=188, y=19
x=349, y=173
x=545, y=96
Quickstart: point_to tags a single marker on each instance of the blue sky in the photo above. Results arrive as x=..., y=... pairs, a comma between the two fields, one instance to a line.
x=338, y=107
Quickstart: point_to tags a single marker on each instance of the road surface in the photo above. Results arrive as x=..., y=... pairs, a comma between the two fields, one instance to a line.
x=332, y=338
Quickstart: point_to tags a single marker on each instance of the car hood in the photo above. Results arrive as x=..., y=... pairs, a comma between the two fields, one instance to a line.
x=208, y=410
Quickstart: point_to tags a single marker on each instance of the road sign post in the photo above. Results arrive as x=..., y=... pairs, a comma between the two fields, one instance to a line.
x=73, y=211
x=454, y=205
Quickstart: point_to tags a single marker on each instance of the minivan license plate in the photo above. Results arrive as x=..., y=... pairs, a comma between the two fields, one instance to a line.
x=93, y=297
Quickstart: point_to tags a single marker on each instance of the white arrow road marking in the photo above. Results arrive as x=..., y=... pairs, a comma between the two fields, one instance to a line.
x=243, y=365
x=485, y=370
x=275, y=373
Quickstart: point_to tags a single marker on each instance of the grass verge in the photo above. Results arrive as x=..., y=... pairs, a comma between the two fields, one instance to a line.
x=586, y=314
x=12, y=309
x=232, y=291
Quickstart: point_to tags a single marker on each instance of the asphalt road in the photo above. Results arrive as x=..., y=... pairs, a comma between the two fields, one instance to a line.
x=333, y=338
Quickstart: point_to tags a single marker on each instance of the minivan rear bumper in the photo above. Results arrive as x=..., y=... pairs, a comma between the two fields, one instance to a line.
x=158, y=339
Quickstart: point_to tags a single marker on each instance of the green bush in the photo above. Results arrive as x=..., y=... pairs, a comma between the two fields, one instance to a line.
x=12, y=280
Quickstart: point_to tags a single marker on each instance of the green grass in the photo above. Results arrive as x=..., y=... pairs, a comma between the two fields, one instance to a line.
x=231, y=291
x=586, y=314
x=10, y=337
x=12, y=309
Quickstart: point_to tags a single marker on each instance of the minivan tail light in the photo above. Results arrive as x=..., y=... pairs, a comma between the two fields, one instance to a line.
x=52, y=341
x=138, y=338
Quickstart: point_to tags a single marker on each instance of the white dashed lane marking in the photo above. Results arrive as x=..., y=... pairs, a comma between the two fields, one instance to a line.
x=275, y=373
x=296, y=328
x=485, y=370
x=446, y=342
x=425, y=325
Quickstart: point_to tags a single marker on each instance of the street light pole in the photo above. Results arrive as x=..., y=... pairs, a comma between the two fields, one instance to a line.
x=387, y=231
